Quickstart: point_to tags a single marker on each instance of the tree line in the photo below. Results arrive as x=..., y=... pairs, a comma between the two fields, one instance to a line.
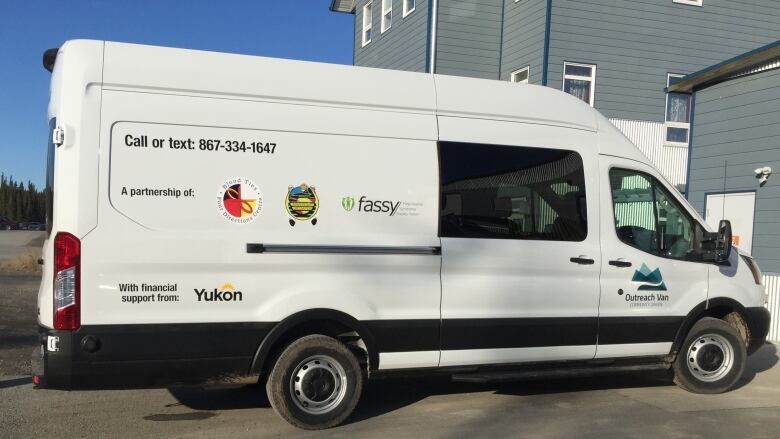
x=20, y=202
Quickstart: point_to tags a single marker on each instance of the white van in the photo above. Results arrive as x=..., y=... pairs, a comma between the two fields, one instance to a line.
x=216, y=217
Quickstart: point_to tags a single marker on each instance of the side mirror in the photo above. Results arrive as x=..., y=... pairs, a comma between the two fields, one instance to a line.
x=716, y=247
x=723, y=249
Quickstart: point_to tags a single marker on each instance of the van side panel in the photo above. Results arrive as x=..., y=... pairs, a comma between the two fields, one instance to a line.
x=181, y=222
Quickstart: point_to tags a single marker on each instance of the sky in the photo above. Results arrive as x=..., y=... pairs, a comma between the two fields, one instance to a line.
x=293, y=29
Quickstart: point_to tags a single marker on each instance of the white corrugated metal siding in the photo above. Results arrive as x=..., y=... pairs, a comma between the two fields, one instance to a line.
x=650, y=138
x=772, y=285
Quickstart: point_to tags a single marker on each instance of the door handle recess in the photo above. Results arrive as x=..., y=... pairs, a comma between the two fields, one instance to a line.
x=583, y=260
x=619, y=263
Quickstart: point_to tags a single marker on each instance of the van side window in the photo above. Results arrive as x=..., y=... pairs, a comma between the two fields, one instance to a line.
x=511, y=192
x=648, y=217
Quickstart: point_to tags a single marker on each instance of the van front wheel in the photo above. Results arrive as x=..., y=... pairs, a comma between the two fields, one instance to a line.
x=315, y=383
x=712, y=359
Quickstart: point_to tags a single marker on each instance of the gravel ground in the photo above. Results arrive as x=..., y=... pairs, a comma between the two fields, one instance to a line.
x=18, y=322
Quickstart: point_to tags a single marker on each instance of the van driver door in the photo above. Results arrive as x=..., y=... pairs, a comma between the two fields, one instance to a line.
x=651, y=276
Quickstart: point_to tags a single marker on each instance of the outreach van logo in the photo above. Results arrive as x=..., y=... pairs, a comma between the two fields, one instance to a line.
x=348, y=203
x=239, y=200
x=225, y=293
x=302, y=203
x=649, y=280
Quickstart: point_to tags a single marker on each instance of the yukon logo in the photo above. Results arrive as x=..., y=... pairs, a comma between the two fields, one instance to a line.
x=302, y=203
x=348, y=203
x=226, y=293
x=365, y=205
x=649, y=280
x=239, y=200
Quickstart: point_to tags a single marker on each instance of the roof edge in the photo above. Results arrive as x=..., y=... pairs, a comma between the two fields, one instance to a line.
x=719, y=72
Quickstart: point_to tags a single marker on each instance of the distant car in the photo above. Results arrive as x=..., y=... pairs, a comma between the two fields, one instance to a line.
x=23, y=226
x=8, y=224
x=36, y=226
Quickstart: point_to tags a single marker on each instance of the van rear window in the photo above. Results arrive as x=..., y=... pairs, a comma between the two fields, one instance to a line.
x=511, y=192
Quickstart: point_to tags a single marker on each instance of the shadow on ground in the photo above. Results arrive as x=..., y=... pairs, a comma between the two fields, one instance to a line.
x=384, y=396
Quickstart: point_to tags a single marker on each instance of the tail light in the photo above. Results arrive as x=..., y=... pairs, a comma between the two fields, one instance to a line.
x=67, y=282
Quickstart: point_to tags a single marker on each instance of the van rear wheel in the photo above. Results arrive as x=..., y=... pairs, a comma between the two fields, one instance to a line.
x=315, y=383
x=712, y=359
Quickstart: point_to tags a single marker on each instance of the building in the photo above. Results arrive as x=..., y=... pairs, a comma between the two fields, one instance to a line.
x=617, y=55
x=735, y=152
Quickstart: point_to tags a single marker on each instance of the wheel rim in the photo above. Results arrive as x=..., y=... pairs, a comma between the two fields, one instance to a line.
x=318, y=384
x=710, y=357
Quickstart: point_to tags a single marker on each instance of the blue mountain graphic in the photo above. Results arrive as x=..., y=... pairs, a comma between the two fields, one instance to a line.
x=650, y=280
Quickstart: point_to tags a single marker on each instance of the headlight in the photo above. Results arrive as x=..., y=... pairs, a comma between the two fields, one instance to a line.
x=751, y=263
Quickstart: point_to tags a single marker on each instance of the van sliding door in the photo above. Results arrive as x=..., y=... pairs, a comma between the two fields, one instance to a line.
x=520, y=242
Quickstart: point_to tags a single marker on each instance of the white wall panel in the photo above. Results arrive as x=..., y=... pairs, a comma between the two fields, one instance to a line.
x=649, y=137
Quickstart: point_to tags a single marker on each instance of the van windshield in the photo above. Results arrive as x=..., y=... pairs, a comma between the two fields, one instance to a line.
x=49, y=191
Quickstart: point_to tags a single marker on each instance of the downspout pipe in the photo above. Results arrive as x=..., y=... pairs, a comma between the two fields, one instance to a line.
x=434, y=24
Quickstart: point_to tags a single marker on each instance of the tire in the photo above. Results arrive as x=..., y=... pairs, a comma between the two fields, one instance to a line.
x=712, y=358
x=325, y=374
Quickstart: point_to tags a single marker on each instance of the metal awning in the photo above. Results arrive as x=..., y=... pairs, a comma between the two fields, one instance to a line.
x=726, y=69
x=346, y=6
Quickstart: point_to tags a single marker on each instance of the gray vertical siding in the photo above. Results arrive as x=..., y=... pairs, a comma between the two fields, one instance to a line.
x=635, y=43
x=523, y=38
x=402, y=47
x=739, y=122
x=469, y=38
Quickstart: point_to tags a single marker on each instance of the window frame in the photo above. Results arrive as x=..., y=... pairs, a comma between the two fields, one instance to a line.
x=384, y=26
x=654, y=182
x=367, y=24
x=698, y=3
x=671, y=124
x=591, y=79
x=408, y=11
x=526, y=69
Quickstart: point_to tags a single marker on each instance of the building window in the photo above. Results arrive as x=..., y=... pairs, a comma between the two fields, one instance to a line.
x=678, y=114
x=579, y=80
x=387, y=14
x=409, y=6
x=367, y=21
x=521, y=75
x=690, y=2
x=511, y=192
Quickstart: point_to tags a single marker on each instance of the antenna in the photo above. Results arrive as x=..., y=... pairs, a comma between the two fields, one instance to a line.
x=723, y=205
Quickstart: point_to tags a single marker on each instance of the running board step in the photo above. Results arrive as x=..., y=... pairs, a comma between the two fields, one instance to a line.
x=541, y=374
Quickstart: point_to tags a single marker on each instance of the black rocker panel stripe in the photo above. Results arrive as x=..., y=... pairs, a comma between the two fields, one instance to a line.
x=460, y=334
x=518, y=332
x=626, y=330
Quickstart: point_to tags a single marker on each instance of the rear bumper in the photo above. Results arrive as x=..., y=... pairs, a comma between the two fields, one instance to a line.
x=757, y=319
x=144, y=356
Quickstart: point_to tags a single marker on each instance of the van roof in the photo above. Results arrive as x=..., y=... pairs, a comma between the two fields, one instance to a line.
x=183, y=70
x=195, y=72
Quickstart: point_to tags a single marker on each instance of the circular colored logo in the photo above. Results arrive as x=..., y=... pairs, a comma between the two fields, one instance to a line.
x=239, y=200
x=302, y=203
